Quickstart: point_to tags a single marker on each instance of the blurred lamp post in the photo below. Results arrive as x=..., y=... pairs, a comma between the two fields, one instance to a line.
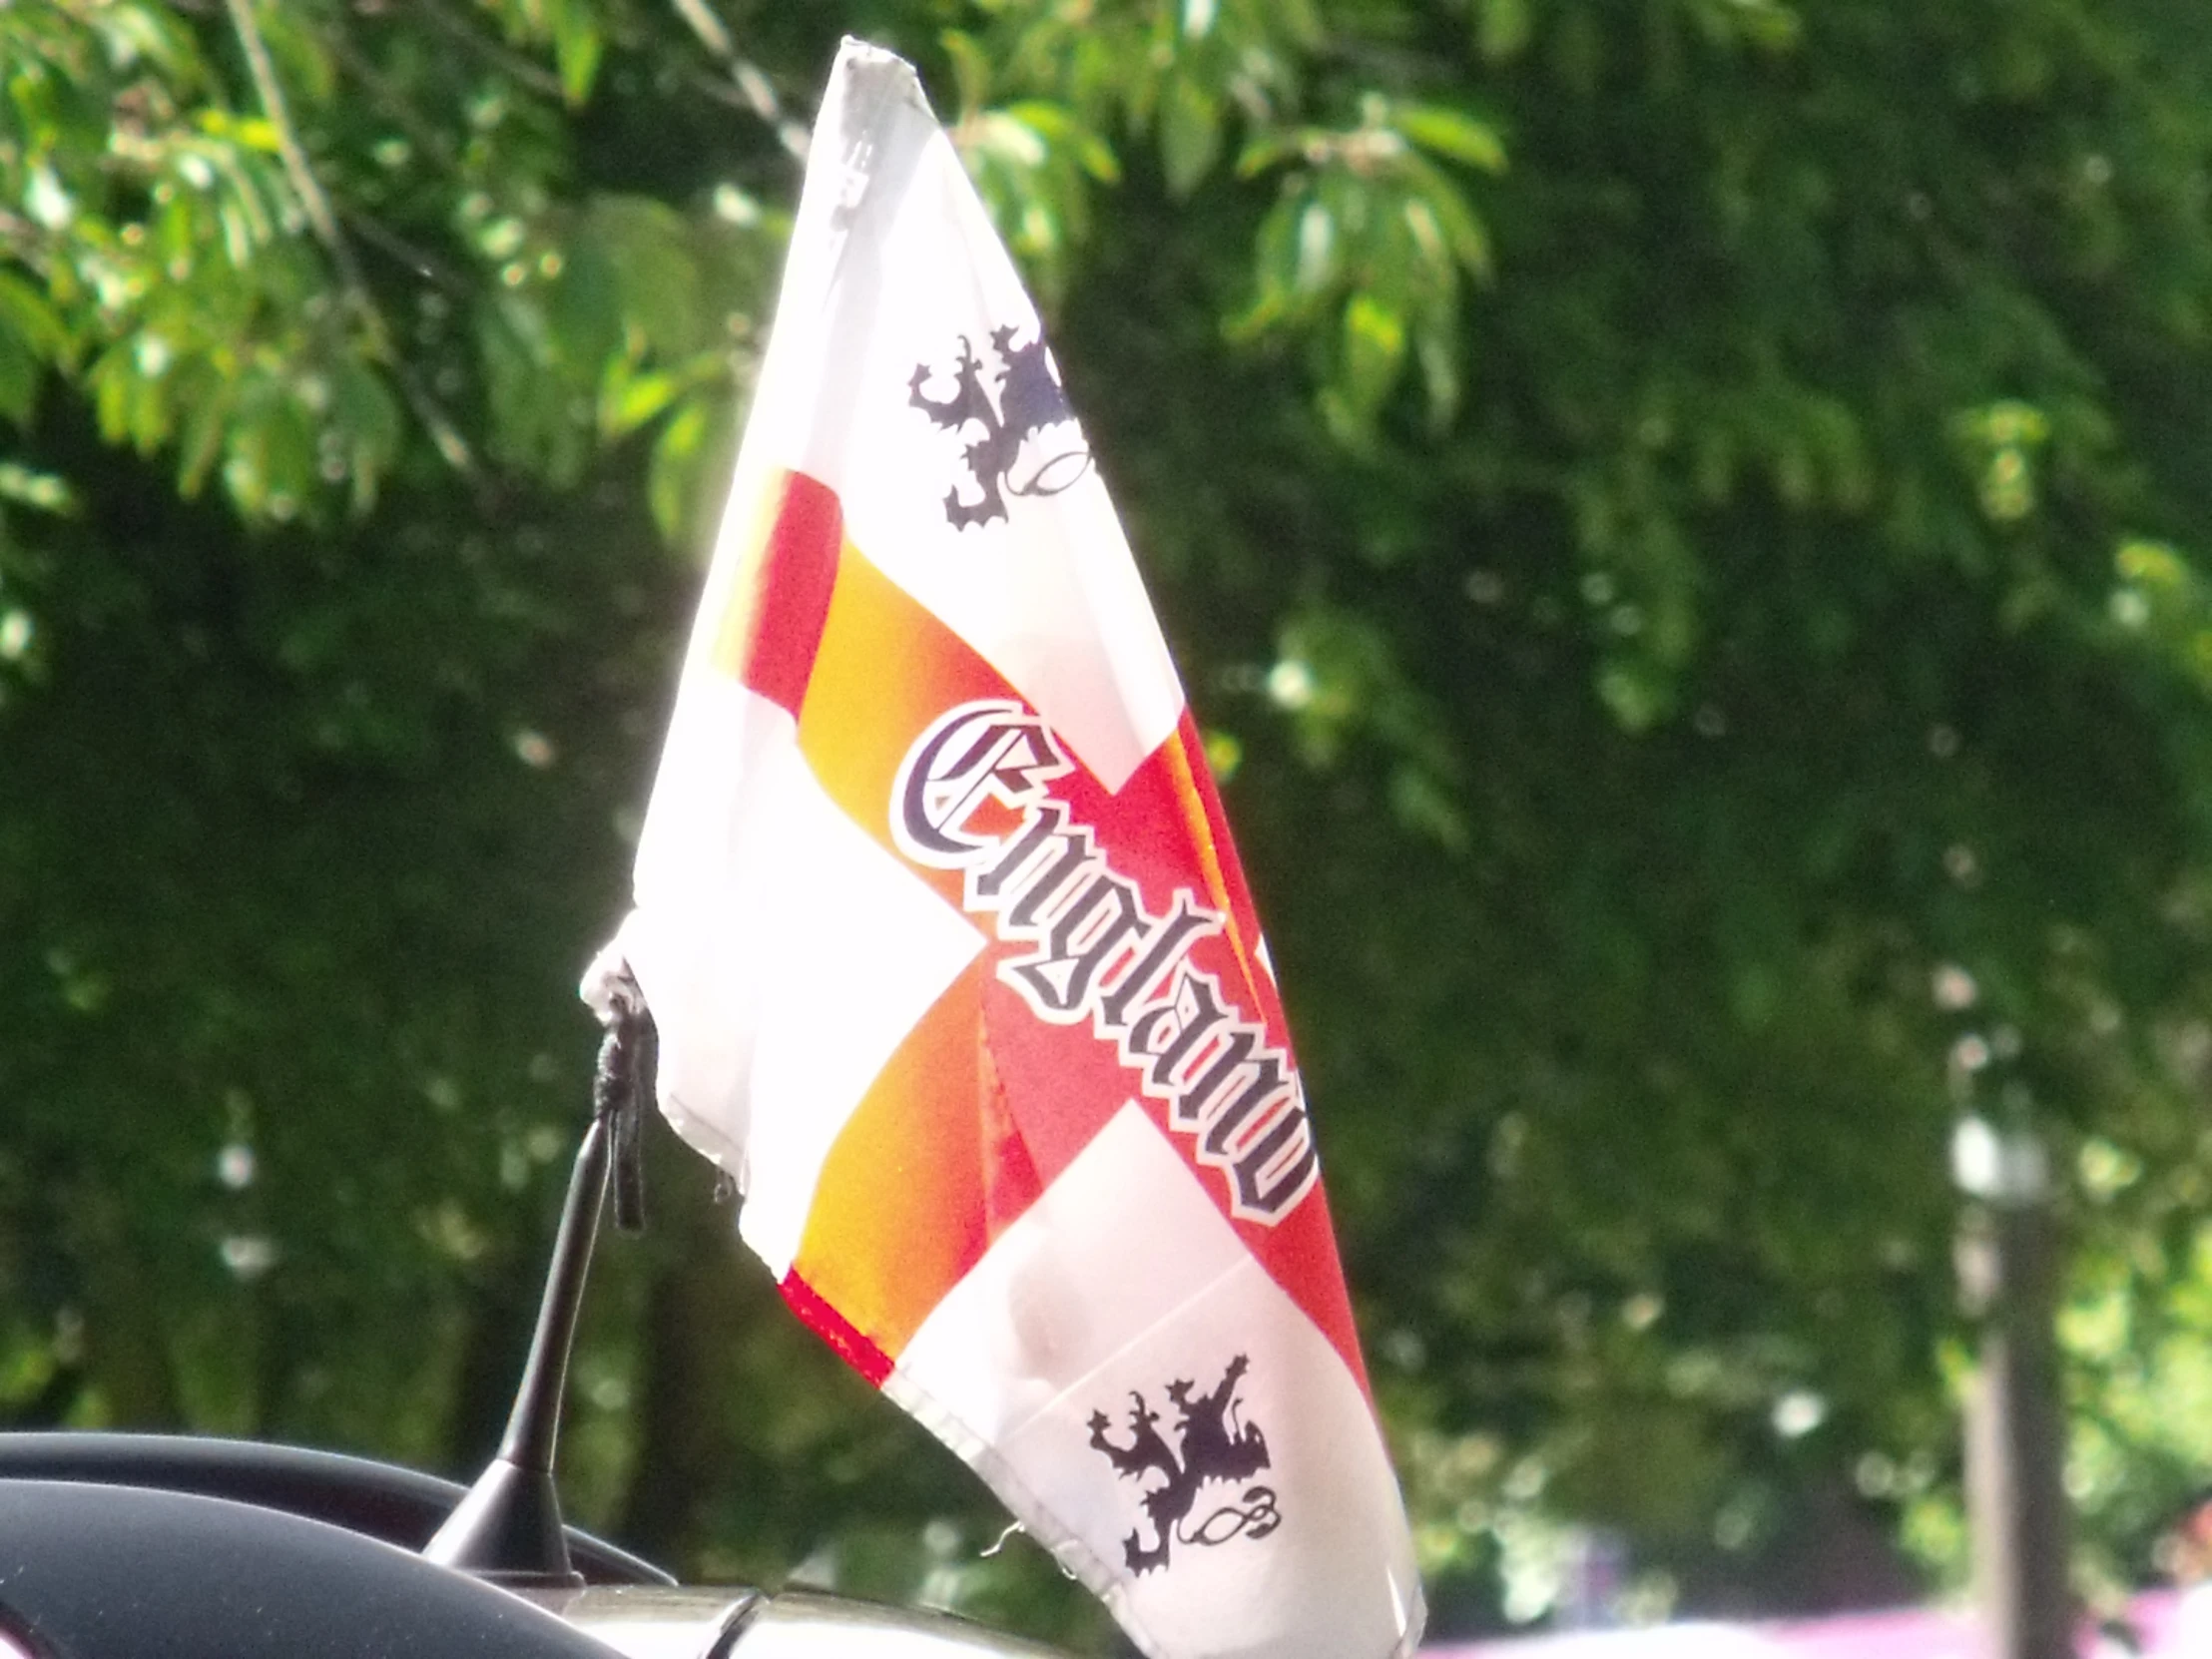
x=2016, y=1419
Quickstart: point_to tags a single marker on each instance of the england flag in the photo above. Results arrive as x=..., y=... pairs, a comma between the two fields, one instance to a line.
x=954, y=964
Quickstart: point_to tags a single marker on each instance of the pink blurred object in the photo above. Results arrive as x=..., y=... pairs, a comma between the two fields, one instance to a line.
x=2168, y=1624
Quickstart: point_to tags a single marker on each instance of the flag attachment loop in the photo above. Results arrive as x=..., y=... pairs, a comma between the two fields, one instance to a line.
x=622, y=1086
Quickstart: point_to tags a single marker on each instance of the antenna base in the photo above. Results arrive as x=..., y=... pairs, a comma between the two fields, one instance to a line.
x=508, y=1529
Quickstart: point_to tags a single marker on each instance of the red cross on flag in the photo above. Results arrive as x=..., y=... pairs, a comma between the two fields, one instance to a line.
x=953, y=965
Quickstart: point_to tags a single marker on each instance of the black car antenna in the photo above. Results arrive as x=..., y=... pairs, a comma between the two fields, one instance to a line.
x=509, y=1527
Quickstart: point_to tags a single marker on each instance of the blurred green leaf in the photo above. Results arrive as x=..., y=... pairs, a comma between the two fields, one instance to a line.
x=1452, y=134
x=679, y=454
x=1501, y=28
x=577, y=46
x=1190, y=134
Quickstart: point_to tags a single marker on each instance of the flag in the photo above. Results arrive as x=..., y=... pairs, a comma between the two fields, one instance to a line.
x=954, y=964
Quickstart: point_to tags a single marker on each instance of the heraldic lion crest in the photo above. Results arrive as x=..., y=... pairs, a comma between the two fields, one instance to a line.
x=1212, y=1446
x=1024, y=442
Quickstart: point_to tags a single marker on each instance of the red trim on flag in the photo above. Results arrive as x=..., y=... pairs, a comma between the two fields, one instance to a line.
x=836, y=1330
x=798, y=568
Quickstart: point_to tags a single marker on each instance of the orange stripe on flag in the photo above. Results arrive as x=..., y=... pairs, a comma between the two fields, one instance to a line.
x=885, y=669
x=927, y=1174
x=928, y=1169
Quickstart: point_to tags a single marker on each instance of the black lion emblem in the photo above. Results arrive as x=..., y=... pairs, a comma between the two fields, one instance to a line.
x=1030, y=402
x=1212, y=1446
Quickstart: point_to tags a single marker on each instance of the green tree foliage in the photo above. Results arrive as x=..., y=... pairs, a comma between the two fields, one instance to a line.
x=1681, y=518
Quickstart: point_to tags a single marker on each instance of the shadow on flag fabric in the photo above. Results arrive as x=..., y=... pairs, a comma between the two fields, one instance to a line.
x=954, y=964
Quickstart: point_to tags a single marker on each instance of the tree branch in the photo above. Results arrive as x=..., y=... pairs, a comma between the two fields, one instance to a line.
x=25, y=242
x=389, y=98
x=414, y=255
x=324, y=222
x=534, y=76
x=699, y=18
x=748, y=88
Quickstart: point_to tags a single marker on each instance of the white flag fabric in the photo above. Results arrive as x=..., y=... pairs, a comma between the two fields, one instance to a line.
x=954, y=964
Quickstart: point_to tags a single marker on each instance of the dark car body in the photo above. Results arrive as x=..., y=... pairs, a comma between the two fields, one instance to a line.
x=117, y=1545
